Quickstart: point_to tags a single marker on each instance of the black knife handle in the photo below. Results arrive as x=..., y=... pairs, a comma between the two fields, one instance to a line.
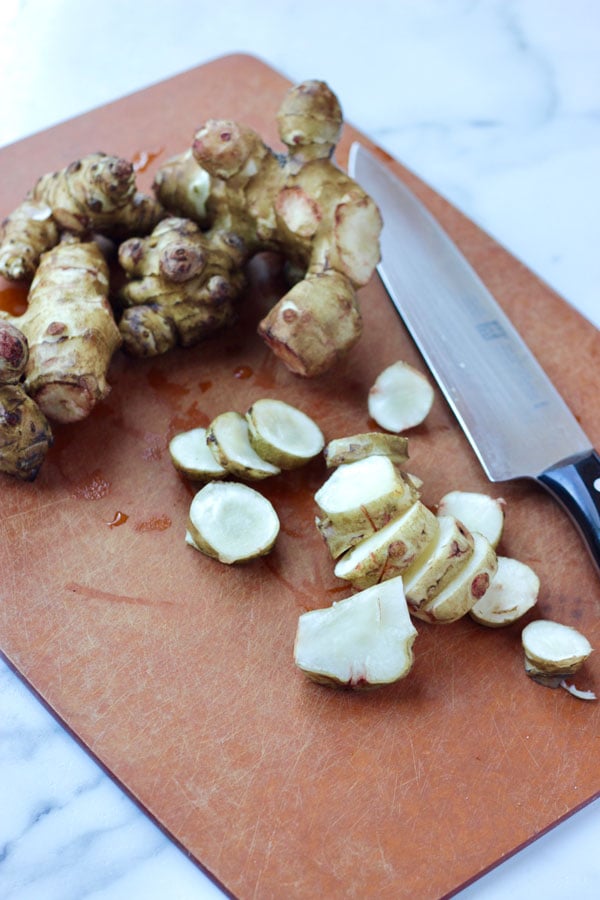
x=576, y=485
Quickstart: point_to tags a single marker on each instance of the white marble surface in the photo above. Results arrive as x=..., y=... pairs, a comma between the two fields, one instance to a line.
x=497, y=105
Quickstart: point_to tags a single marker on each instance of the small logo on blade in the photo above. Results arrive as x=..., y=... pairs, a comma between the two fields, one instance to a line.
x=491, y=330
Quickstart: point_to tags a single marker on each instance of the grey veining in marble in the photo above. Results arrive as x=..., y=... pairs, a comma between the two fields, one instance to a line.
x=497, y=105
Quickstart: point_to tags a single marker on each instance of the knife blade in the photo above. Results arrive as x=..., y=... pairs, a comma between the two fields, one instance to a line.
x=514, y=418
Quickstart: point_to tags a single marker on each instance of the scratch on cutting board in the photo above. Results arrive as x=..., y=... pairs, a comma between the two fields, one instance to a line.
x=95, y=594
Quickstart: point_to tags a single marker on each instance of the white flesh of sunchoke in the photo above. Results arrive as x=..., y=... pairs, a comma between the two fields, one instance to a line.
x=362, y=641
x=400, y=398
x=228, y=438
x=283, y=435
x=231, y=522
x=479, y=512
x=513, y=592
x=192, y=456
x=552, y=648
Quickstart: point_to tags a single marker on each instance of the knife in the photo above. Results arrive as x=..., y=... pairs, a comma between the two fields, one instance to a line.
x=514, y=418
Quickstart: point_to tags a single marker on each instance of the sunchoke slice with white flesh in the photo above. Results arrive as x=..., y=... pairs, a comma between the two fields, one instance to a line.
x=228, y=438
x=358, y=446
x=191, y=455
x=466, y=588
x=439, y=563
x=389, y=552
x=361, y=642
x=552, y=648
x=359, y=498
x=401, y=398
x=479, y=512
x=283, y=435
x=513, y=592
x=232, y=522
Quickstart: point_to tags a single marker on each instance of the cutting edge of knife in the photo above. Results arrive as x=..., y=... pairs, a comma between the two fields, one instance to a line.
x=584, y=444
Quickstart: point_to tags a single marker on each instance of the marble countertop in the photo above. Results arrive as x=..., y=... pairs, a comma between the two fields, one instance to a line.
x=497, y=105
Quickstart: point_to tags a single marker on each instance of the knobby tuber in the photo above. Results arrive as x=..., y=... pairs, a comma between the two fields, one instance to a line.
x=95, y=194
x=70, y=330
x=25, y=433
x=180, y=287
x=299, y=204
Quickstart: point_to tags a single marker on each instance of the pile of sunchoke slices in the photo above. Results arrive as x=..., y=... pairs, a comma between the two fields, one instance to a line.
x=183, y=253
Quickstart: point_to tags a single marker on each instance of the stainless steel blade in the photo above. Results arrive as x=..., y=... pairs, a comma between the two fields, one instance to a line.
x=516, y=421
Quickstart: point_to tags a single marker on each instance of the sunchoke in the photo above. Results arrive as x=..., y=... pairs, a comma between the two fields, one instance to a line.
x=299, y=204
x=98, y=194
x=180, y=287
x=95, y=194
x=25, y=234
x=71, y=331
x=25, y=433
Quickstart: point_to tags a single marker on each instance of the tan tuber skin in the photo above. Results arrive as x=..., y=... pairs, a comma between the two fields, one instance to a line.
x=180, y=288
x=25, y=234
x=299, y=204
x=96, y=194
x=25, y=434
x=70, y=330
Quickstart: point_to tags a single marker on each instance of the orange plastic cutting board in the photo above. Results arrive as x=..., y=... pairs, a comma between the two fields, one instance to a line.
x=177, y=671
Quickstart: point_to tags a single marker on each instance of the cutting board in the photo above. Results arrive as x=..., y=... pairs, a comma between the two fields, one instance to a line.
x=176, y=672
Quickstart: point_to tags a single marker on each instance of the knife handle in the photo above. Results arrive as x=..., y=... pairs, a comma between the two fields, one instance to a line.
x=576, y=486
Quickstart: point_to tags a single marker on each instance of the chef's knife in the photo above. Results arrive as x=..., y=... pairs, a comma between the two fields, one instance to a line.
x=516, y=421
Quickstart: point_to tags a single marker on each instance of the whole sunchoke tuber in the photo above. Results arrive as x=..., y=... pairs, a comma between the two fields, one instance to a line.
x=25, y=433
x=299, y=204
x=71, y=331
x=182, y=287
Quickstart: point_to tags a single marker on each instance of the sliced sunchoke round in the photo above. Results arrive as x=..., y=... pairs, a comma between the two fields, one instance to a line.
x=228, y=438
x=514, y=590
x=283, y=435
x=479, y=512
x=232, y=522
x=192, y=456
x=552, y=648
x=439, y=563
x=466, y=588
x=358, y=446
x=359, y=498
x=400, y=398
x=363, y=641
x=389, y=551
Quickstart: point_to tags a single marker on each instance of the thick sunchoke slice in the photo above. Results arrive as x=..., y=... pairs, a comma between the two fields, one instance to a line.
x=232, y=522
x=400, y=398
x=359, y=498
x=514, y=590
x=389, y=552
x=552, y=648
x=466, y=588
x=358, y=446
x=191, y=455
x=439, y=563
x=363, y=641
x=283, y=435
x=228, y=438
x=479, y=512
